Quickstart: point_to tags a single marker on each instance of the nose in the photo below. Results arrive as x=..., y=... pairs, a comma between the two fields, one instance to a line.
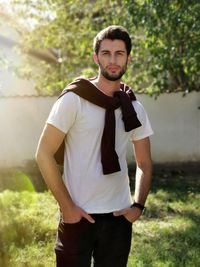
x=112, y=59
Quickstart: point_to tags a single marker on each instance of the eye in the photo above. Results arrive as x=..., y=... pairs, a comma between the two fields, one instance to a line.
x=120, y=53
x=105, y=53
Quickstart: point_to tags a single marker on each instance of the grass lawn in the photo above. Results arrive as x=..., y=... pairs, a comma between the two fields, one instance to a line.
x=168, y=235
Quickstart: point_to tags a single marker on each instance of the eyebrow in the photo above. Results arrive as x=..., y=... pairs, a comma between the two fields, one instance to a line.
x=118, y=51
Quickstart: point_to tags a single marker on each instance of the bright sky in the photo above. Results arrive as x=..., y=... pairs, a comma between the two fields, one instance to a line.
x=5, y=4
x=30, y=22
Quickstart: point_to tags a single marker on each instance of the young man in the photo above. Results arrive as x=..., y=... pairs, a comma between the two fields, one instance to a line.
x=96, y=118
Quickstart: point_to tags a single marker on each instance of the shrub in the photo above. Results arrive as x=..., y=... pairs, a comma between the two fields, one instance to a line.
x=16, y=181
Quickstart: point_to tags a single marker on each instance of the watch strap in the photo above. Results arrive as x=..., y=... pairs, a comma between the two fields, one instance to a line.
x=138, y=205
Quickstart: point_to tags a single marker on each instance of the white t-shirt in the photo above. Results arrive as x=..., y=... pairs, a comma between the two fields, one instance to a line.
x=83, y=124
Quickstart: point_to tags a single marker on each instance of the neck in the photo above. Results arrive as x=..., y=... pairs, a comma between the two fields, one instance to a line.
x=106, y=86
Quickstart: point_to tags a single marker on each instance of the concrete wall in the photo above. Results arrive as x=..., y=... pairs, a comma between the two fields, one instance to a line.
x=175, y=121
x=22, y=120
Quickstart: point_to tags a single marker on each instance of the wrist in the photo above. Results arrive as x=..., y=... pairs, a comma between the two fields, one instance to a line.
x=67, y=206
x=138, y=206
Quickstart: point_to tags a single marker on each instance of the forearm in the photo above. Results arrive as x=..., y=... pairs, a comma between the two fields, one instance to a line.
x=52, y=176
x=142, y=179
x=142, y=182
x=142, y=187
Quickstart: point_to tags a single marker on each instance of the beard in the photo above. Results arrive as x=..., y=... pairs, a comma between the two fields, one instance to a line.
x=112, y=77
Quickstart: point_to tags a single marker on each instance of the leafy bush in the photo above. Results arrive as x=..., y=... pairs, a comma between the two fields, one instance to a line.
x=16, y=181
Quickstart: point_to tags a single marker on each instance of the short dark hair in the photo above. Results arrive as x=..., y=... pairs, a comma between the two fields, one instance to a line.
x=113, y=32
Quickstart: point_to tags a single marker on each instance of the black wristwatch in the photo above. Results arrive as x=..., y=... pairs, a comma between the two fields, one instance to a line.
x=139, y=206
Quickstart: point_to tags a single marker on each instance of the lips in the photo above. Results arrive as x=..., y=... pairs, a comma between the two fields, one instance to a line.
x=113, y=69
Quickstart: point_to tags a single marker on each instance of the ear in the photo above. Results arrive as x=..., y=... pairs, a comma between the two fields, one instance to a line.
x=129, y=59
x=95, y=58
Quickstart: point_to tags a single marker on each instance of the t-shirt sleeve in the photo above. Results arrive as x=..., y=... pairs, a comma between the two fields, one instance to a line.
x=145, y=130
x=64, y=111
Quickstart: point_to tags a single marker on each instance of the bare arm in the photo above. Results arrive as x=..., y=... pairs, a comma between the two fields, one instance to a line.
x=143, y=170
x=49, y=143
x=142, y=179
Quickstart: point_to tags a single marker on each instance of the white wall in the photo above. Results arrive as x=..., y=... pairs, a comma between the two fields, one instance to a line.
x=22, y=120
x=175, y=121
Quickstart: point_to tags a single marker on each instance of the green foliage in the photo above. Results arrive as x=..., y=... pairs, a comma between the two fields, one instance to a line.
x=166, y=41
x=69, y=30
x=167, y=44
x=16, y=181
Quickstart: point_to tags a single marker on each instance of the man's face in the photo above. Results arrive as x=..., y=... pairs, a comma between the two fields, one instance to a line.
x=112, y=59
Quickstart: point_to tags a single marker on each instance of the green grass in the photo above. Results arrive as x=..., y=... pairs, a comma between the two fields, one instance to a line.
x=27, y=229
x=168, y=235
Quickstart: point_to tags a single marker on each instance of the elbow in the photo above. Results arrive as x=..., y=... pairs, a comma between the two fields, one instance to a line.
x=42, y=155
